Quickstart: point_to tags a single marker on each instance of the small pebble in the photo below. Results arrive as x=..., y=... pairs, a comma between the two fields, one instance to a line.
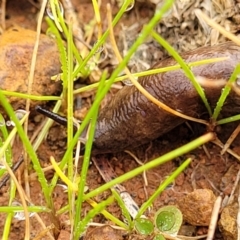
x=197, y=206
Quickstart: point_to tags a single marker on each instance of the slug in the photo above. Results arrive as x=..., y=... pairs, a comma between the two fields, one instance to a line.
x=130, y=119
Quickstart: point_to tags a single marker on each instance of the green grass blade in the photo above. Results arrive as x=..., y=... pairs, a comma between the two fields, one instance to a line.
x=8, y=158
x=32, y=154
x=160, y=189
x=61, y=48
x=229, y=119
x=13, y=209
x=69, y=86
x=122, y=205
x=32, y=97
x=86, y=159
x=225, y=92
x=81, y=226
x=8, y=221
x=154, y=163
x=75, y=51
x=8, y=151
x=187, y=71
x=7, y=225
x=151, y=72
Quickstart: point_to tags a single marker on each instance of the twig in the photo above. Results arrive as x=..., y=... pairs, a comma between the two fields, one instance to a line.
x=3, y=15
x=23, y=200
x=206, y=151
x=214, y=218
x=231, y=139
x=238, y=216
x=14, y=169
x=29, y=90
x=231, y=197
x=220, y=144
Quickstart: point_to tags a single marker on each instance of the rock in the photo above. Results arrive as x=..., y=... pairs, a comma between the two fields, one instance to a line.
x=197, y=207
x=64, y=235
x=103, y=233
x=16, y=47
x=228, y=222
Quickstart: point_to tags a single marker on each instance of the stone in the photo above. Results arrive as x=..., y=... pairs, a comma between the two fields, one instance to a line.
x=16, y=48
x=197, y=206
x=228, y=222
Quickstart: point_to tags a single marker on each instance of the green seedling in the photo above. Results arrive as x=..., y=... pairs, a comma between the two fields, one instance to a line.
x=167, y=222
x=144, y=226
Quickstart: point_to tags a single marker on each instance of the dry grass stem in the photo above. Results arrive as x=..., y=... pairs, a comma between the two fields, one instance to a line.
x=214, y=218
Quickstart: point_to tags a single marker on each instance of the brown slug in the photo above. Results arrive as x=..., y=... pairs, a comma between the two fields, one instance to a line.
x=130, y=119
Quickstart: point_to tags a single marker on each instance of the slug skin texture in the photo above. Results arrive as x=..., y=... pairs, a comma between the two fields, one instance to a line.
x=130, y=119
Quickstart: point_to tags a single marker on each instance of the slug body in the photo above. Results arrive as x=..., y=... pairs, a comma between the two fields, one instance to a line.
x=130, y=119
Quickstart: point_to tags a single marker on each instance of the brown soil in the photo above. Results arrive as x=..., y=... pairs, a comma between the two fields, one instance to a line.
x=216, y=173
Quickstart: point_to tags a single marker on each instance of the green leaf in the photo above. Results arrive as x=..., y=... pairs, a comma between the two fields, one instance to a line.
x=168, y=219
x=159, y=237
x=123, y=207
x=144, y=226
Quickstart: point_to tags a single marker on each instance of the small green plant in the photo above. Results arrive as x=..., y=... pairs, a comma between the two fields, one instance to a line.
x=167, y=222
x=144, y=226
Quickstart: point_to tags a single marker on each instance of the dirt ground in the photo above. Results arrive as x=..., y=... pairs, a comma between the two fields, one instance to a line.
x=215, y=172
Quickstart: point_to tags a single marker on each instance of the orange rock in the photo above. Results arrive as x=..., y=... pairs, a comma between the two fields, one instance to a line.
x=228, y=222
x=197, y=206
x=103, y=233
x=16, y=48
